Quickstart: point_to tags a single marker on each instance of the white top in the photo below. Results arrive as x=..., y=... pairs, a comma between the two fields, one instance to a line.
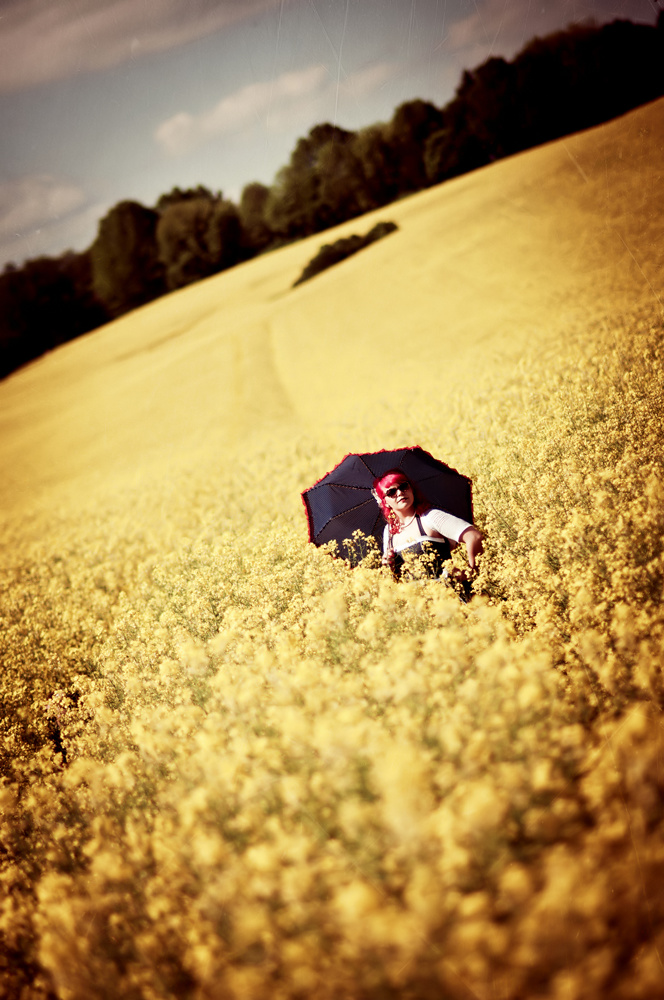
x=434, y=520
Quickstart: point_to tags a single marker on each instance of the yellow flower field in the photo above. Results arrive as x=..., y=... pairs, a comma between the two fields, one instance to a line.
x=232, y=767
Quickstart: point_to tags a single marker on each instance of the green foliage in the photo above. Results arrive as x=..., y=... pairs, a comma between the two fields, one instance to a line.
x=407, y=134
x=379, y=162
x=449, y=153
x=197, y=237
x=304, y=198
x=176, y=195
x=256, y=232
x=335, y=175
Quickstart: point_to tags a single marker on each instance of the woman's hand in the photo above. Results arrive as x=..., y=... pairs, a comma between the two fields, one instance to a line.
x=472, y=538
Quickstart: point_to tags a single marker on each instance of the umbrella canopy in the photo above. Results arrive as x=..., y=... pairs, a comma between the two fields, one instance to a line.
x=341, y=502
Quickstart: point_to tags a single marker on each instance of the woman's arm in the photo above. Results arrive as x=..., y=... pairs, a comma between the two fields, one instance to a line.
x=388, y=551
x=472, y=538
x=456, y=530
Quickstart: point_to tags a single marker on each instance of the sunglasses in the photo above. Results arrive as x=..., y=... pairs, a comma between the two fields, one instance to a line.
x=399, y=488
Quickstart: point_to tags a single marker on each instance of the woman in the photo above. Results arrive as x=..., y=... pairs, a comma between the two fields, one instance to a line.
x=413, y=526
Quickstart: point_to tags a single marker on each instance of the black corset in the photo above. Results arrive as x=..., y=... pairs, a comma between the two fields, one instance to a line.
x=423, y=558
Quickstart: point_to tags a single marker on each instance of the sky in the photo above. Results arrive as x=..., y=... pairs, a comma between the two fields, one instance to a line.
x=107, y=100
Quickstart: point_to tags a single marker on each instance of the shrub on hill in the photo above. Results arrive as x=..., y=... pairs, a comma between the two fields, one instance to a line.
x=333, y=253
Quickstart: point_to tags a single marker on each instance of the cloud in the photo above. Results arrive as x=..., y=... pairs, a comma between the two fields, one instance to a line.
x=504, y=26
x=490, y=22
x=238, y=111
x=29, y=203
x=44, y=40
x=365, y=81
x=497, y=27
x=291, y=99
x=41, y=215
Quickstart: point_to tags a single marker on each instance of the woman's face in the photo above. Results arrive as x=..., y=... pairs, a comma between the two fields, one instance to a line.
x=399, y=497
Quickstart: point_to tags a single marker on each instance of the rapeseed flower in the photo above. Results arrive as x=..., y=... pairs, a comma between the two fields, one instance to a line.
x=233, y=766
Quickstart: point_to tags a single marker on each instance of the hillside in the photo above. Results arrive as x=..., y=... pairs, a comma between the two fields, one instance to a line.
x=482, y=267
x=232, y=767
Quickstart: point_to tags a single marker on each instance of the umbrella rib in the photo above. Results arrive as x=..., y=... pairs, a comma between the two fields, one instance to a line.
x=349, y=510
x=345, y=486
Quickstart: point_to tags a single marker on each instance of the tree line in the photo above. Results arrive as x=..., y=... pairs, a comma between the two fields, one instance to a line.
x=564, y=82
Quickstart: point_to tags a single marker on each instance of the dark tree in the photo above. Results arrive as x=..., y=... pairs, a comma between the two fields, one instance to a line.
x=43, y=304
x=176, y=195
x=483, y=114
x=556, y=85
x=449, y=153
x=126, y=271
x=379, y=163
x=302, y=201
x=256, y=232
x=197, y=238
x=342, y=191
x=584, y=76
x=407, y=134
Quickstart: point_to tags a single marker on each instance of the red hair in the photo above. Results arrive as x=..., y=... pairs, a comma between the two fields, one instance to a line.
x=382, y=485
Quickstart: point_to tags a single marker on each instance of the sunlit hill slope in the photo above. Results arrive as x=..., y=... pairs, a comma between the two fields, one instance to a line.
x=232, y=767
x=483, y=266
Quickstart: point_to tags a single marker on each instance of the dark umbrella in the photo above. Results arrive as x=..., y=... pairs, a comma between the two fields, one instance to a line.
x=341, y=502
